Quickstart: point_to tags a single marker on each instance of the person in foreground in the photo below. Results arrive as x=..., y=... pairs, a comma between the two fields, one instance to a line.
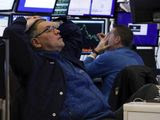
x=54, y=88
x=117, y=55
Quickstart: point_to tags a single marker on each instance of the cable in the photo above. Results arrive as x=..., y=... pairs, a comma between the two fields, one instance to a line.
x=139, y=100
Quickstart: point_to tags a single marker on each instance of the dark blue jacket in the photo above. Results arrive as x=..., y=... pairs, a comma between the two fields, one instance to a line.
x=109, y=64
x=72, y=38
x=41, y=78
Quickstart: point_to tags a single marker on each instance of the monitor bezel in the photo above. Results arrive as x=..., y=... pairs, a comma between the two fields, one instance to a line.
x=9, y=10
x=6, y=15
x=40, y=13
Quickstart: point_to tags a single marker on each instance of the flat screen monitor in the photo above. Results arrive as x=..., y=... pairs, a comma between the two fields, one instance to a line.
x=6, y=5
x=36, y=6
x=97, y=8
x=4, y=22
x=144, y=34
x=89, y=29
x=61, y=8
x=145, y=11
x=14, y=16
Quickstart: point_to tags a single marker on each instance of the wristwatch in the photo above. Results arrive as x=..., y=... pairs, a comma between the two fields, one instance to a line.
x=94, y=51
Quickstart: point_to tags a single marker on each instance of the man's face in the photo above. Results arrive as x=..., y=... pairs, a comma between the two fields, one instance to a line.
x=113, y=39
x=48, y=37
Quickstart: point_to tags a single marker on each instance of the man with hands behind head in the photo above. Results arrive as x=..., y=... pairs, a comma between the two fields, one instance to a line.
x=117, y=55
x=41, y=78
x=48, y=95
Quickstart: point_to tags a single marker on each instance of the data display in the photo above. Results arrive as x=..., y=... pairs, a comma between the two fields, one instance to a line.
x=6, y=4
x=4, y=21
x=104, y=8
x=61, y=8
x=89, y=29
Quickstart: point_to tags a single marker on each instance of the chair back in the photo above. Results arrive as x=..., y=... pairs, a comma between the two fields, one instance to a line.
x=127, y=82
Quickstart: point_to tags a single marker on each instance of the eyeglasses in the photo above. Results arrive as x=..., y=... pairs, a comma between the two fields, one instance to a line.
x=48, y=29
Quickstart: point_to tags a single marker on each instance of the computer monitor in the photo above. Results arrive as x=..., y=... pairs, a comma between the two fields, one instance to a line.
x=89, y=29
x=4, y=22
x=61, y=8
x=14, y=16
x=97, y=8
x=6, y=5
x=36, y=6
x=119, y=1
x=144, y=34
x=145, y=11
x=103, y=8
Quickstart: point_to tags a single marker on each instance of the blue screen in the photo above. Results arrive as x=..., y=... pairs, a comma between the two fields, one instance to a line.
x=144, y=34
x=61, y=8
x=41, y=6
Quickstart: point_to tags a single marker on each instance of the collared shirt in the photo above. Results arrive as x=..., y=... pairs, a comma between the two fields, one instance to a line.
x=108, y=64
x=83, y=99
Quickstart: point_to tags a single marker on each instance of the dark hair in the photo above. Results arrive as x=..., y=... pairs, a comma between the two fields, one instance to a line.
x=32, y=32
x=125, y=34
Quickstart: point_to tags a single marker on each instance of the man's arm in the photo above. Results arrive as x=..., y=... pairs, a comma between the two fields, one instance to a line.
x=101, y=47
x=94, y=65
x=21, y=59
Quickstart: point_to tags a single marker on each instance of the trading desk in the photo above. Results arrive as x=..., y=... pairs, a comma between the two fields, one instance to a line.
x=141, y=111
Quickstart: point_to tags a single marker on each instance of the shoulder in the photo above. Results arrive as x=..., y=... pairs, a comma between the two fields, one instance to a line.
x=107, y=56
x=110, y=53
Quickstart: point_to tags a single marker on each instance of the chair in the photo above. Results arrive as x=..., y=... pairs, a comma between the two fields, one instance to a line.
x=127, y=82
x=141, y=94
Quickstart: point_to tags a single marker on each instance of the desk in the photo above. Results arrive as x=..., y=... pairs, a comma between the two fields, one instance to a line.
x=141, y=111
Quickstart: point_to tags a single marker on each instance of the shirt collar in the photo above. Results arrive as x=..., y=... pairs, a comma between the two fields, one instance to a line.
x=50, y=54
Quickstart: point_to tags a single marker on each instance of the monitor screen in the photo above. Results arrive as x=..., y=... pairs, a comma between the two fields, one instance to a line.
x=36, y=6
x=61, y=8
x=144, y=34
x=145, y=11
x=99, y=8
x=102, y=8
x=14, y=16
x=89, y=29
x=6, y=5
x=4, y=21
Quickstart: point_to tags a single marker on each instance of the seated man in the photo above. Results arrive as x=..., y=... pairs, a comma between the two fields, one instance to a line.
x=43, y=88
x=44, y=82
x=117, y=56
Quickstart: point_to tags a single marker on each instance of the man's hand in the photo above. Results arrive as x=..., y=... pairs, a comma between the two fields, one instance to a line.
x=103, y=44
x=31, y=20
x=101, y=36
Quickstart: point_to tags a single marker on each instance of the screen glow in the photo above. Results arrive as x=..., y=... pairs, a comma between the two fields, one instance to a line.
x=36, y=6
x=104, y=8
x=6, y=4
x=4, y=20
